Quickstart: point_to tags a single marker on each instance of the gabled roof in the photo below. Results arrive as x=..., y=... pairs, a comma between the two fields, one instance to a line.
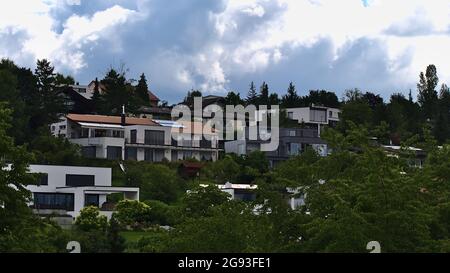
x=110, y=119
x=152, y=96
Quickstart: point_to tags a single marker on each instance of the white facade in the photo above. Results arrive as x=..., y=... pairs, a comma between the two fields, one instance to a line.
x=313, y=114
x=118, y=142
x=70, y=189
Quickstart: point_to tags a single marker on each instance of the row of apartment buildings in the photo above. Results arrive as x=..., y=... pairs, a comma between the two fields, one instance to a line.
x=147, y=139
x=121, y=137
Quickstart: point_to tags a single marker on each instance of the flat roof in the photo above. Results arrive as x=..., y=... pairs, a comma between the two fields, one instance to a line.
x=110, y=119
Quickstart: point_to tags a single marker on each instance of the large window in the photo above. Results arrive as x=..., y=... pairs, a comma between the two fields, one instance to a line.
x=318, y=115
x=154, y=137
x=148, y=155
x=114, y=152
x=42, y=179
x=89, y=151
x=91, y=200
x=78, y=180
x=63, y=201
x=133, y=136
x=244, y=195
x=131, y=153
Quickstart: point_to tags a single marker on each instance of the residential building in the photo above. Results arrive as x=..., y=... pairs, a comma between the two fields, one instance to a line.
x=292, y=142
x=66, y=190
x=121, y=137
x=239, y=192
x=415, y=156
x=308, y=117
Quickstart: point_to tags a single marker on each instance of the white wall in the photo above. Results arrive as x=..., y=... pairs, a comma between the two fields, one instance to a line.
x=233, y=147
x=57, y=174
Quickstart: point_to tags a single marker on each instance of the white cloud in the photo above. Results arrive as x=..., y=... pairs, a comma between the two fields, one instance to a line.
x=33, y=18
x=383, y=44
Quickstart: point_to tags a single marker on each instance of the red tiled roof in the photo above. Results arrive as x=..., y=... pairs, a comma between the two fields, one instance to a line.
x=110, y=119
x=152, y=96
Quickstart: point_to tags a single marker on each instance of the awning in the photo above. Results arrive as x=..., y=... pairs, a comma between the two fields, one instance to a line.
x=101, y=125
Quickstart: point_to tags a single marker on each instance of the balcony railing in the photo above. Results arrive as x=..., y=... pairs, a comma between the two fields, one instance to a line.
x=185, y=144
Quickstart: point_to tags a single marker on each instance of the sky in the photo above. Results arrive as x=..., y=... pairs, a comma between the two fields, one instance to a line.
x=218, y=46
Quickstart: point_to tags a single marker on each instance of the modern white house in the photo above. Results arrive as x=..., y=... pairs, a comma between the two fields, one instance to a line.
x=240, y=192
x=312, y=117
x=68, y=189
x=120, y=137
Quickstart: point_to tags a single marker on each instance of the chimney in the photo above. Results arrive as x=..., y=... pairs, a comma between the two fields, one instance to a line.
x=122, y=116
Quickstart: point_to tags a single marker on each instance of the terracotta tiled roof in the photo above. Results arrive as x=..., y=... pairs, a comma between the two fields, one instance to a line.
x=110, y=119
x=152, y=96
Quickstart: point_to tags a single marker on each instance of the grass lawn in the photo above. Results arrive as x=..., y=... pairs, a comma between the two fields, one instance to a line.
x=133, y=236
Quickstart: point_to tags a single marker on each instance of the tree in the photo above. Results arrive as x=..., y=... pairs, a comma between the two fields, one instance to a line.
x=20, y=229
x=291, y=99
x=10, y=94
x=133, y=214
x=273, y=99
x=233, y=98
x=90, y=219
x=442, y=128
x=142, y=91
x=118, y=92
x=252, y=96
x=264, y=94
x=60, y=79
x=97, y=100
x=222, y=171
x=50, y=102
x=13, y=179
x=116, y=241
x=201, y=199
x=156, y=182
x=321, y=97
x=428, y=96
x=189, y=99
x=54, y=150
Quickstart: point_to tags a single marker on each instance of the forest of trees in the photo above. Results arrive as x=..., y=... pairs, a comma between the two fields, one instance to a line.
x=356, y=195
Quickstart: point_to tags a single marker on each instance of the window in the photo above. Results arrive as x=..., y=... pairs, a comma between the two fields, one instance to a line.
x=174, y=155
x=117, y=134
x=114, y=152
x=91, y=200
x=42, y=179
x=290, y=115
x=131, y=153
x=84, y=133
x=89, y=151
x=148, y=155
x=133, y=136
x=244, y=195
x=187, y=154
x=293, y=148
x=292, y=133
x=330, y=114
x=78, y=180
x=205, y=143
x=64, y=201
x=62, y=127
x=53, y=128
x=159, y=155
x=318, y=115
x=154, y=137
x=100, y=133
